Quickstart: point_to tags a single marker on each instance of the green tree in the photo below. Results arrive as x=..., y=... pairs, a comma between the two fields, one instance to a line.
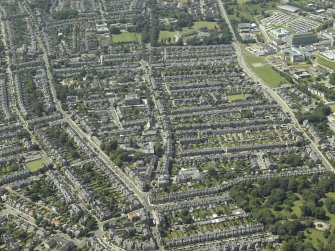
x=330, y=205
x=110, y=145
x=115, y=30
x=65, y=14
x=332, y=79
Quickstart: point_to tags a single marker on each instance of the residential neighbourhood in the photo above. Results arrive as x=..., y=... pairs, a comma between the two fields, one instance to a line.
x=167, y=125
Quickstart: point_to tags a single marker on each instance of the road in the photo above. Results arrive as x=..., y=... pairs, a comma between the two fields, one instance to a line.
x=13, y=101
x=262, y=29
x=13, y=211
x=147, y=77
x=280, y=101
x=143, y=197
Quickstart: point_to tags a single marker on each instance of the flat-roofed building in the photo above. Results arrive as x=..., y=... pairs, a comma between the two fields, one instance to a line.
x=302, y=39
x=289, y=8
x=132, y=99
x=330, y=55
x=247, y=27
x=280, y=32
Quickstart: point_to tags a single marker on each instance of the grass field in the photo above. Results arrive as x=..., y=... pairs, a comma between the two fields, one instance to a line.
x=196, y=26
x=302, y=66
x=264, y=70
x=296, y=208
x=167, y=34
x=249, y=10
x=330, y=215
x=35, y=165
x=315, y=237
x=324, y=62
x=183, y=1
x=331, y=195
x=126, y=37
x=204, y=24
x=332, y=107
x=236, y=97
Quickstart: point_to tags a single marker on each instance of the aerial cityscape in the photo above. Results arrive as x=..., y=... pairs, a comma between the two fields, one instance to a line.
x=180, y=125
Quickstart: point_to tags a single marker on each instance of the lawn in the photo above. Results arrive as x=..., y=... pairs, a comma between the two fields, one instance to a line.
x=186, y=29
x=297, y=204
x=236, y=97
x=183, y=1
x=300, y=3
x=315, y=237
x=247, y=10
x=331, y=195
x=126, y=37
x=331, y=216
x=332, y=107
x=201, y=24
x=302, y=66
x=166, y=34
x=35, y=165
x=324, y=62
x=204, y=24
x=196, y=26
x=264, y=70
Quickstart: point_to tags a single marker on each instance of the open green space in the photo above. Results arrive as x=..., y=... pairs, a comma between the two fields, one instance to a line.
x=302, y=66
x=324, y=62
x=297, y=204
x=264, y=70
x=332, y=107
x=235, y=97
x=292, y=210
x=166, y=34
x=242, y=1
x=35, y=165
x=331, y=195
x=126, y=37
x=331, y=216
x=315, y=237
x=247, y=11
x=196, y=26
x=183, y=1
x=200, y=25
x=299, y=3
x=204, y=24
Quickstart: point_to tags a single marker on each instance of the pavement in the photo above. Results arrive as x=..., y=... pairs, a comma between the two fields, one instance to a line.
x=143, y=197
x=280, y=101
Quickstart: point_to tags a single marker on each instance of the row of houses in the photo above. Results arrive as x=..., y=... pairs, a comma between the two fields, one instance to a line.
x=20, y=96
x=232, y=232
x=10, y=150
x=253, y=242
x=44, y=119
x=54, y=150
x=227, y=185
x=15, y=176
x=53, y=176
x=5, y=161
x=195, y=204
x=129, y=244
x=234, y=149
x=4, y=100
